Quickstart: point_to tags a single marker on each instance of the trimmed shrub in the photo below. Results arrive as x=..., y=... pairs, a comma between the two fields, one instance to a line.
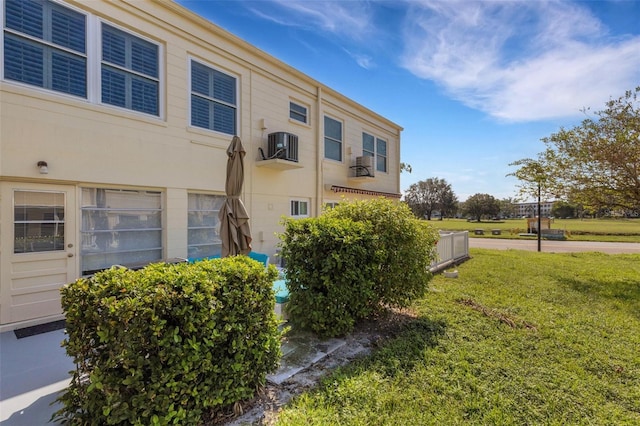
x=404, y=247
x=330, y=271
x=352, y=261
x=169, y=343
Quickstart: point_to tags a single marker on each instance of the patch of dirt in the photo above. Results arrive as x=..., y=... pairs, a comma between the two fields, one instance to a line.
x=264, y=408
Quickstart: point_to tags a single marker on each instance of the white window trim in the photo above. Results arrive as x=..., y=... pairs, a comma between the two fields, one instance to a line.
x=97, y=73
x=331, y=204
x=87, y=54
x=375, y=150
x=94, y=63
x=299, y=200
x=324, y=136
x=216, y=227
x=162, y=210
x=190, y=60
x=306, y=123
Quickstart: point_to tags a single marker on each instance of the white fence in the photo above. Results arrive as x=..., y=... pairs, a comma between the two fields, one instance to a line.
x=452, y=247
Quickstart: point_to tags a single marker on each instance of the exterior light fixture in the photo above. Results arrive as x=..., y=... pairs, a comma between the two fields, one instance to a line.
x=44, y=167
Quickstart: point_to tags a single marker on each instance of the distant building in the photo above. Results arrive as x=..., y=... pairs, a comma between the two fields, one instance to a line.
x=531, y=209
x=116, y=116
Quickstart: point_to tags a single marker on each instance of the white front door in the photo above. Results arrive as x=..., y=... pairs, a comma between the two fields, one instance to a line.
x=38, y=249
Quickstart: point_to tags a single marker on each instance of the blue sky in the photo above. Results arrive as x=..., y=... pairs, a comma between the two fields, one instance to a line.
x=475, y=84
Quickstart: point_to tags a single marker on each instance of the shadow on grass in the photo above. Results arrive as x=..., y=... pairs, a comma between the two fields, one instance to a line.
x=626, y=292
x=403, y=350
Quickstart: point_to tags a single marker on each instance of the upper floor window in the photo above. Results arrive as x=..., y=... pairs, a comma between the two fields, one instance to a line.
x=213, y=99
x=375, y=147
x=298, y=112
x=129, y=71
x=332, y=139
x=45, y=46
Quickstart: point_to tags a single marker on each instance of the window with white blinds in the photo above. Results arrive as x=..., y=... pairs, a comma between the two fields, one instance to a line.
x=213, y=99
x=129, y=71
x=45, y=45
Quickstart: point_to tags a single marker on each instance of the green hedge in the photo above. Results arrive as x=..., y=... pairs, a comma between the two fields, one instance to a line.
x=404, y=246
x=330, y=271
x=169, y=343
x=352, y=261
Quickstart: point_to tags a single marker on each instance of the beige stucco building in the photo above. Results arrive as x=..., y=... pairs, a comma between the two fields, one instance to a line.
x=115, y=117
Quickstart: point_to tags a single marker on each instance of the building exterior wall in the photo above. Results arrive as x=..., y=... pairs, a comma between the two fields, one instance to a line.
x=531, y=209
x=88, y=144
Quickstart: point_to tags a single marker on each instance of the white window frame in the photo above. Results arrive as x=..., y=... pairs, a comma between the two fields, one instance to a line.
x=101, y=227
x=294, y=207
x=93, y=55
x=86, y=55
x=191, y=60
x=330, y=204
x=375, y=154
x=293, y=102
x=215, y=227
x=99, y=63
x=325, y=138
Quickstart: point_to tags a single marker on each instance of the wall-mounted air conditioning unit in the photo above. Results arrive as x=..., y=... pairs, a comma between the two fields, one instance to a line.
x=365, y=166
x=283, y=145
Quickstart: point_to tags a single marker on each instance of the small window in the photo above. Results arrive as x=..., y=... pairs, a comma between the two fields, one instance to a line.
x=213, y=99
x=203, y=225
x=45, y=46
x=298, y=112
x=330, y=205
x=299, y=208
x=38, y=221
x=129, y=71
x=332, y=139
x=375, y=147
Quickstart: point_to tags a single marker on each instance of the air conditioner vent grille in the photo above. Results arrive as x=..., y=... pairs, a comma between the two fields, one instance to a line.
x=283, y=145
x=365, y=166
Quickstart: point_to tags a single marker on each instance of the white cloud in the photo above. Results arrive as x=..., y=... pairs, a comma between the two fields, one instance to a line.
x=349, y=19
x=519, y=61
x=363, y=60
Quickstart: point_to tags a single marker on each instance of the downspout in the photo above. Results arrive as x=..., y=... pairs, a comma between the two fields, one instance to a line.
x=319, y=153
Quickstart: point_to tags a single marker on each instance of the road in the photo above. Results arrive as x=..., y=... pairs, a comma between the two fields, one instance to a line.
x=554, y=246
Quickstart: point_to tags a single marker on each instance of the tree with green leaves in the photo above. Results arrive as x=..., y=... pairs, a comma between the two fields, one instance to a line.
x=507, y=207
x=479, y=205
x=535, y=179
x=597, y=164
x=563, y=209
x=434, y=194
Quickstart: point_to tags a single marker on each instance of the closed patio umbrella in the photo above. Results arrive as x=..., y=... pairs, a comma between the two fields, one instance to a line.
x=235, y=232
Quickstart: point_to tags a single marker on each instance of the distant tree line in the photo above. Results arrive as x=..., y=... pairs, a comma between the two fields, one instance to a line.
x=434, y=196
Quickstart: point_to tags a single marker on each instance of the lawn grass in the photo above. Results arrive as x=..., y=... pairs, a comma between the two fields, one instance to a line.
x=519, y=338
x=613, y=230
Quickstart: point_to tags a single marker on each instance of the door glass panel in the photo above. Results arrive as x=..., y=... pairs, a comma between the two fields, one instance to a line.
x=38, y=221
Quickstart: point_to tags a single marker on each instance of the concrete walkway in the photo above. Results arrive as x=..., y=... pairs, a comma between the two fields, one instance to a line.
x=32, y=372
